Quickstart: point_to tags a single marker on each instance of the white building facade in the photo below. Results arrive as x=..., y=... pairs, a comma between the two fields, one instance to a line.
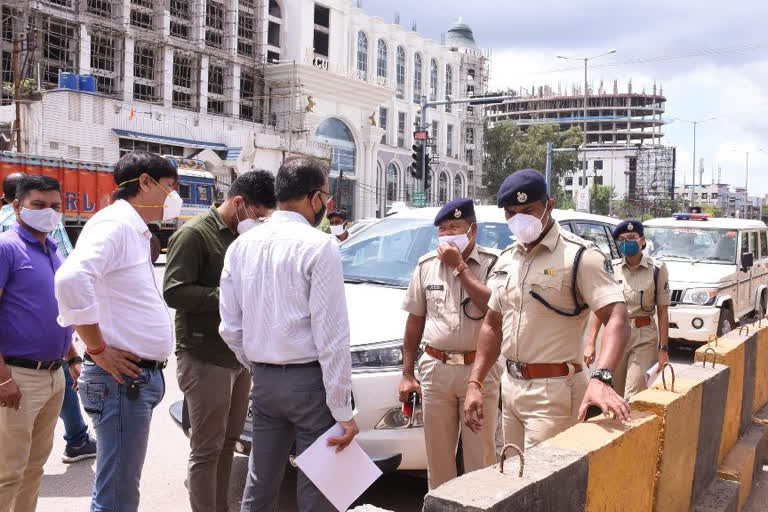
x=254, y=82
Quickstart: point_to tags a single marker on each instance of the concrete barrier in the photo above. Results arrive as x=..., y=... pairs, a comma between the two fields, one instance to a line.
x=761, y=366
x=730, y=351
x=680, y=411
x=761, y=418
x=744, y=462
x=720, y=496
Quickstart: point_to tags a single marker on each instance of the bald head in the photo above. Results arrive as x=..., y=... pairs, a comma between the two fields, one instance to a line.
x=9, y=186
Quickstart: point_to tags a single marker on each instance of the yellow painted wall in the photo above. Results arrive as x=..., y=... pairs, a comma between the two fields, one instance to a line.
x=622, y=460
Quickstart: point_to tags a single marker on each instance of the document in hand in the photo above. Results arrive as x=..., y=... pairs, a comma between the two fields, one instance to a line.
x=651, y=375
x=341, y=477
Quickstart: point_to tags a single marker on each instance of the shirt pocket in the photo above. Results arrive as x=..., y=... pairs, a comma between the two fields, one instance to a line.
x=436, y=300
x=550, y=288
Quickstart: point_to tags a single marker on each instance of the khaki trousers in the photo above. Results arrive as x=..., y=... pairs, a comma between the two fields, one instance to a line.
x=443, y=390
x=641, y=353
x=217, y=402
x=26, y=436
x=535, y=410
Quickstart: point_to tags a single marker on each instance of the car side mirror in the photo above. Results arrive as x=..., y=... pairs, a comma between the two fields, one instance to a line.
x=747, y=261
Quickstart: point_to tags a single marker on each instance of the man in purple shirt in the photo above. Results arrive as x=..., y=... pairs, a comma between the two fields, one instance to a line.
x=32, y=344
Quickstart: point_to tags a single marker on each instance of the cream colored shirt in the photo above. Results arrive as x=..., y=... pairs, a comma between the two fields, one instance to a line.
x=532, y=333
x=434, y=292
x=638, y=285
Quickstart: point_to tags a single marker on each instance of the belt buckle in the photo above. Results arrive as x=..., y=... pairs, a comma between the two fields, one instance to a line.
x=515, y=369
x=454, y=358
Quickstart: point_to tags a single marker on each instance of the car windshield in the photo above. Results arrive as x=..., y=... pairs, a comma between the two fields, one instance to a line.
x=387, y=252
x=690, y=243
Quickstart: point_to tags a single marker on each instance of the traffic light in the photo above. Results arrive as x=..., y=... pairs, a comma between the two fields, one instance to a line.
x=417, y=157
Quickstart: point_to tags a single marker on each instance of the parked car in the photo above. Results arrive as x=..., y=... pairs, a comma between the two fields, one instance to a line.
x=378, y=263
x=718, y=270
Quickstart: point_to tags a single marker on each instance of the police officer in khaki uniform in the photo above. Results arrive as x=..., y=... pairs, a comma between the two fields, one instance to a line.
x=543, y=288
x=446, y=301
x=646, y=290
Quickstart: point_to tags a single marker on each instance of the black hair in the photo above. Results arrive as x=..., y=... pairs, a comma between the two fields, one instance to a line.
x=256, y=187
x=342, y=214
x=29, y=182
x=134, y=164
x=299, y=176
x=9, y=186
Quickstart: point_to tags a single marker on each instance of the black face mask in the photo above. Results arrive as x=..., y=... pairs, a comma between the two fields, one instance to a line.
x=319, y=215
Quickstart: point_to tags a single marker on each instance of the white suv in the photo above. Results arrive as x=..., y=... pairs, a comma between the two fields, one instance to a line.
x=718, y=272
x=377, y=268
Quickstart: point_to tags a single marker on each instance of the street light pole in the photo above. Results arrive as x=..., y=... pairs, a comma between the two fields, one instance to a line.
x=584, y=135
x=693, y=167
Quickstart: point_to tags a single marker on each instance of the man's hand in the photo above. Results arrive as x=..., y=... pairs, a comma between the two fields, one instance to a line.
x=663, y=358
x=350, y=431
x=74, y=371
x=589, y=354
x=473, y=408
x=10, y=395
x=602, y=395
x=450, y=254
x=118, y=363
x=408, y=384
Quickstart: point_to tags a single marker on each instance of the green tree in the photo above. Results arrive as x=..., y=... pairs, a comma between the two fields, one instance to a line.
x=509, y=148
x=601, y=203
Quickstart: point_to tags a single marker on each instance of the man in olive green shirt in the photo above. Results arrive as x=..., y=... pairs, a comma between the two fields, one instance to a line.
x=215, y=385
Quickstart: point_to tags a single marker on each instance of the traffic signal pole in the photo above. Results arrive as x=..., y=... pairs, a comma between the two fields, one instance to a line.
x=479, y=100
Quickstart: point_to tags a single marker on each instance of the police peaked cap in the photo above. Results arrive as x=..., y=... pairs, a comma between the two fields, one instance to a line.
x=628, y=226
x=457, y=209
x=522, y=187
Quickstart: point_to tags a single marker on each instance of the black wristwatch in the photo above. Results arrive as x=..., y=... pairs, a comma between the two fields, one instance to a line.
x=664, y=348
x=75, y=360
x=603, y=375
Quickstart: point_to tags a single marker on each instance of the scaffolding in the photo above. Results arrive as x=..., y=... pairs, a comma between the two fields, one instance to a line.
x=652, y=177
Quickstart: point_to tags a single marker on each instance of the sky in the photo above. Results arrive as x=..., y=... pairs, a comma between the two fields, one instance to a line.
x=711, y=58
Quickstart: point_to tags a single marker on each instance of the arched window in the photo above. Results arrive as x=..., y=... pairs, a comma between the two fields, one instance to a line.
x=400, y=71
x=443, y=188
x=458, y=186
x=417, y=79
x=392, y=182
x=274, y=9
x=433, y=80
x=362, y=56
x=381, y=59
x=448, y=85
x=334, y=133
x=274, y=27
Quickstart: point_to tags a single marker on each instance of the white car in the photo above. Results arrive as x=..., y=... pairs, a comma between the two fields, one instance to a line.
x=718, y=272
x=378, y=264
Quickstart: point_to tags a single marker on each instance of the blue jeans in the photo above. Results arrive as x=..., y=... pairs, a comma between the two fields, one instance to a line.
x=122, y=428
x=75, y=429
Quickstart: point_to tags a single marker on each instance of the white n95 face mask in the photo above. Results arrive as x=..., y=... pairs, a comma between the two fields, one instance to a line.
x=526, y=228
x=338, y=230
x=44, y=220
x=461, y=241
x=172, y=205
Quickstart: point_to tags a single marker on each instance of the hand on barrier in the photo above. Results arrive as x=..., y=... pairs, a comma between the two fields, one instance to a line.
x=602, y=395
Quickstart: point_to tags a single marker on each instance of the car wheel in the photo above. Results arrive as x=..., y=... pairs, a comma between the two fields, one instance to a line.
x=725, y=323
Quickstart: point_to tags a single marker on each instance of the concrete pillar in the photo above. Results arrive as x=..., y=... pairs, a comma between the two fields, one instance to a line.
x=230, y=26
x=235, y=90
x=85, y=51
x=198, y=24
x=167, y=76
x=204, y=60
x=128, y=68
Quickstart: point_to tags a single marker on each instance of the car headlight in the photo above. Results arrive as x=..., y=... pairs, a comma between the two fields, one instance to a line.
x=699, y=296
x=378, y=356
x=394, y=419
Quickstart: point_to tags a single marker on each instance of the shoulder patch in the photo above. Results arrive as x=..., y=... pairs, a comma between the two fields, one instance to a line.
x=575, y=238
x=427, y=257
x=608, y=264
x=488, y=250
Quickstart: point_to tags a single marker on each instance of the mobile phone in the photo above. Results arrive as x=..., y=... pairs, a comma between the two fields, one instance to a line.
x=593, y=411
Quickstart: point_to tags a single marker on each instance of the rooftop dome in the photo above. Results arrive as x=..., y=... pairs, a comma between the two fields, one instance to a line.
x=460, y=36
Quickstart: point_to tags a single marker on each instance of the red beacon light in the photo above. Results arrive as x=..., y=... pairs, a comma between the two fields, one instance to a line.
x=692, y=216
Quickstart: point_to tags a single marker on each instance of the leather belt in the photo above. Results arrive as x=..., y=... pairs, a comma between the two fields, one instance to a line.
x=33, y=364
x=641, y=321
x=311, y=364
x=146, y=364
x=452, y=358
x=528, y=371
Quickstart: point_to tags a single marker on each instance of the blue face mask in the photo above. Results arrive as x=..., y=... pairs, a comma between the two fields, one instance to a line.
x=629, y=247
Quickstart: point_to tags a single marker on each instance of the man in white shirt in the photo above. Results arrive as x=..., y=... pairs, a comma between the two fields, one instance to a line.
x=283, y=313
x=107, y=290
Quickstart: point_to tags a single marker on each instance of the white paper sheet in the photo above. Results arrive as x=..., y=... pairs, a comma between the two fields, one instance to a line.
x=652, y=375
x=341, y=477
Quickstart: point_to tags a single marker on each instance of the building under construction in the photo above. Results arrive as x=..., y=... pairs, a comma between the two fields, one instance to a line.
x=623, y=135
